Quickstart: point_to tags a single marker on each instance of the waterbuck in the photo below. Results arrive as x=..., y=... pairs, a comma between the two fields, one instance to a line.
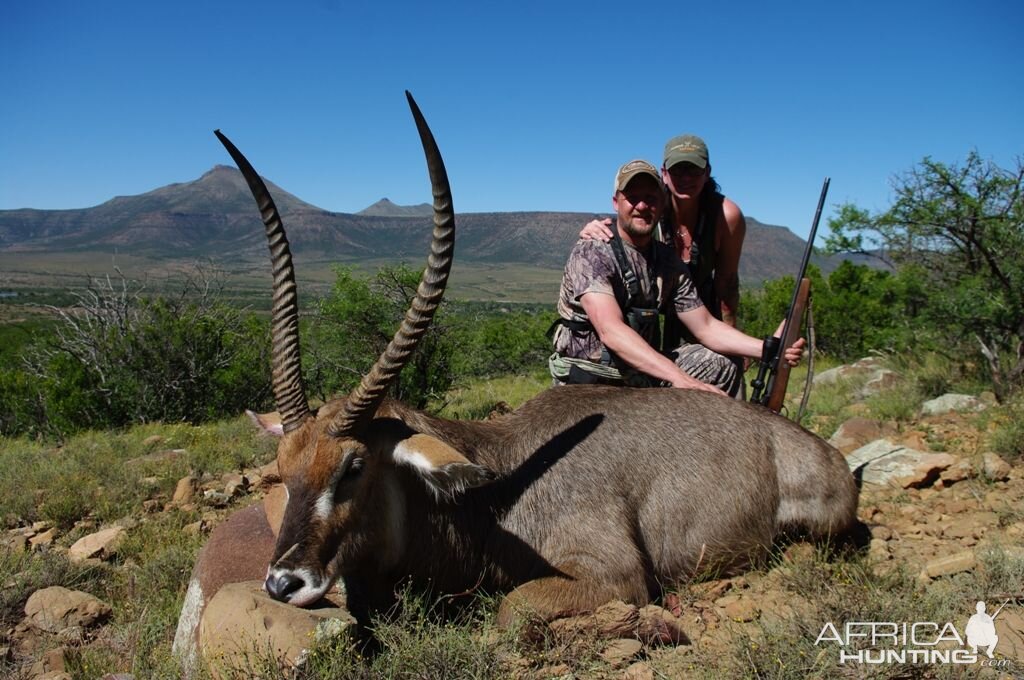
x=582, y=495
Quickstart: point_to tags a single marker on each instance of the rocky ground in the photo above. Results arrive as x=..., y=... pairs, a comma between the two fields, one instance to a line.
x=945, y=513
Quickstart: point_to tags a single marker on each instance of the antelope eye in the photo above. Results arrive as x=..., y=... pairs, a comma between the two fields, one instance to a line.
x=354, y=469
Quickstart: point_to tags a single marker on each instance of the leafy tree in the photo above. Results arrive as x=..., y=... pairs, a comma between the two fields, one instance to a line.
x=354, y=324
x=957, y=232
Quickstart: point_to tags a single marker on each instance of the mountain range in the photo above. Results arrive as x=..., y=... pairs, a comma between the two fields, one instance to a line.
x=214, y=217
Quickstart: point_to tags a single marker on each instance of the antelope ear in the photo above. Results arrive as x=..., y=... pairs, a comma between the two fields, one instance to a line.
x=268, y=422
x=445, y=471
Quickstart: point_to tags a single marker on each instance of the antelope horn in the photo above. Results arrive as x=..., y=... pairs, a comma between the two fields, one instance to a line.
x=286, y=363
x=364, y=400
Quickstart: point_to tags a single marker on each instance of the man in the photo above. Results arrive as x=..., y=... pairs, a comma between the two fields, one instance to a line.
x=612, y=294
x=705, y=228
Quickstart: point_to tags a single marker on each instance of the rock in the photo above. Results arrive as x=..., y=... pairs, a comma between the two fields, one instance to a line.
x=738, y=608
x=659, y=626
x=152, y=440
x=963, y=528
x=43, y=540
x=621, y=651
x=55, y=609
x=882, y=379
x=614, y=619
x=638, y=671
x=53, y=675
x=1010, y=629
x=268, y=475
x=854, y=433
x=995, y=468
x=100, y=545
x=885, y=463
x=957, y=472
x=242, y=618
x=217, y=499
x=951, y=564
x=235, y=484
x=118, y=676
x=52, y=661
x=164, y=456
x=185, y=490
x=239, y=549
x=948, y=403
x=862, y=367
x=15, y=542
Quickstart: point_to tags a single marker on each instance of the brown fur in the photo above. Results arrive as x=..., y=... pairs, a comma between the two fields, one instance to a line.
x=597, y=493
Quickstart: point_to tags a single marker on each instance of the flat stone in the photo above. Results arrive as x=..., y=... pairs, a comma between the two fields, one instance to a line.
x=235, y=484
x=882, y=379
x=242, y=618
x=865, y=366
x=185, y=490
x=738, y=608
x=638, y=671
x=100, y=545
x=951, y=564
x=217, y=499
x=854, y=433
x=43, y=540
x=619, y=652
x=886, y=463
x=957, y=472
x=995, y=468
x=164, y=456
x=52, y=661
x=239, y=549
x=56, y=608
x=16, y=543
x=949, y=403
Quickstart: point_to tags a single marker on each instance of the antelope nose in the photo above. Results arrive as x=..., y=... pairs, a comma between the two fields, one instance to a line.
x=280, y=586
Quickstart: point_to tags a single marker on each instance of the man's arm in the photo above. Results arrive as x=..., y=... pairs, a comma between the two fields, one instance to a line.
x=606, y=318
x=724, y=339
x=732, y=228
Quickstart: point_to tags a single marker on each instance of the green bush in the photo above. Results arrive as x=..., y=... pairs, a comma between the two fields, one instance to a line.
x=120, y=357
x=354, y=324
x=856, y=309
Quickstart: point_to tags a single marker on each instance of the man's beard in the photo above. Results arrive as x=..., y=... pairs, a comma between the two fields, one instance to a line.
x=633, y=230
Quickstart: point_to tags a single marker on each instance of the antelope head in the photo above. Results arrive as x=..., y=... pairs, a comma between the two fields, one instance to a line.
x=339, y=471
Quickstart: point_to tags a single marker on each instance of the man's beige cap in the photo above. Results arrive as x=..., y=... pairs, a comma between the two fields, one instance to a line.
x=633, y=168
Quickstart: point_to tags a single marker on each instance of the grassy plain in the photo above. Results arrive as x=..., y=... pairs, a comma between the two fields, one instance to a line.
x=45, y=278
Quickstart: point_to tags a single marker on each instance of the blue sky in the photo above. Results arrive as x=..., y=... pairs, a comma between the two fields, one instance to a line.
x=534, y=105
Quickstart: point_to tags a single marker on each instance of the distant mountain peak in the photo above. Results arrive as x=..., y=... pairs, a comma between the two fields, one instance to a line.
x=385, y=208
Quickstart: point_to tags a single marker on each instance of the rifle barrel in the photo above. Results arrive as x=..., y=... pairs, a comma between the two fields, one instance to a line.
x=808, y=249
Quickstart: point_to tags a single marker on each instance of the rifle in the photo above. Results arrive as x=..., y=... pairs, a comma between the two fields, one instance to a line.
x=777, y=371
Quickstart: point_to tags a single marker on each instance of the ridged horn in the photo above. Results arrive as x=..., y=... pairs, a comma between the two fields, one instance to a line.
x=285, y=361
x=364, y=400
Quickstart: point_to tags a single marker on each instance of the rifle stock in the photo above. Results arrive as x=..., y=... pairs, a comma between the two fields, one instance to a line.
x=780, y=379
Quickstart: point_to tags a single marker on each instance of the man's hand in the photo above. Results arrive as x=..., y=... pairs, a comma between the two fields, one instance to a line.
x=597, y=230
x=795, y=352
